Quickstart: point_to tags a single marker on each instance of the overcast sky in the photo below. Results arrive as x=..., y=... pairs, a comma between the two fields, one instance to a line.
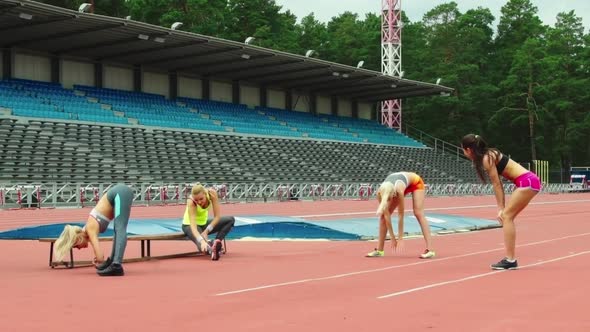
x=324, y=10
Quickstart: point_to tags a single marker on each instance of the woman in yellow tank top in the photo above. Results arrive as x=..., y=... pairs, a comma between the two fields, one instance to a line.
x=197, y=225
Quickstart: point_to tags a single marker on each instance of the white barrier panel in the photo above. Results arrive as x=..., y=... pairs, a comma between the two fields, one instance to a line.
x=87, y=194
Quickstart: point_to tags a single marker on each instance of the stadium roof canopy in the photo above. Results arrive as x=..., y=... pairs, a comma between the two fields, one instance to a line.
x=61, y=32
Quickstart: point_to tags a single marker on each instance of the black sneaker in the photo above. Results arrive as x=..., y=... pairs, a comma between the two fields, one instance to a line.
x=112, y=270
x=215, y=250
x=104, y=264
x=505, y=265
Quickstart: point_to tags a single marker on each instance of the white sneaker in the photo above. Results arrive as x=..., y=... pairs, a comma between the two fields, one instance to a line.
x=376, y=253
x=428, y=254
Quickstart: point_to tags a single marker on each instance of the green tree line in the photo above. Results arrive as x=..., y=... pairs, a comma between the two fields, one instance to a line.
x=523, y=85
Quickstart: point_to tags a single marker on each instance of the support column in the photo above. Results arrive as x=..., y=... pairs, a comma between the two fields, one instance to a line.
x=334, y=105
x=313, y=107
x=55, y=70
x=289, y=100
x=377, y=112
x=137, y=79
x=98, y=75
x=206, y=88
x=235, y=87
x=173, y=85
x=263, y=96
x=7, y=63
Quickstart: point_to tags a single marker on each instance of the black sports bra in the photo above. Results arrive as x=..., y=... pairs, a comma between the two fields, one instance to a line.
x=501, y=165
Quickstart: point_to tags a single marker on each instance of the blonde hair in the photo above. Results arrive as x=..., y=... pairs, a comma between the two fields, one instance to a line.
x=387, y=190
x=67, y=239
x=200, y=189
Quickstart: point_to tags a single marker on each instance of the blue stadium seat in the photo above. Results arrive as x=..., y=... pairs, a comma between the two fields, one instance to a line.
x=84, y=103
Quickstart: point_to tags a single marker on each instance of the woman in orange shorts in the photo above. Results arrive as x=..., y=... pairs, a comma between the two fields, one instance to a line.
x=391, y=195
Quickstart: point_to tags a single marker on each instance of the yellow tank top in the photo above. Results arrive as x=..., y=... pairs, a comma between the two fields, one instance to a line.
x=201, y=214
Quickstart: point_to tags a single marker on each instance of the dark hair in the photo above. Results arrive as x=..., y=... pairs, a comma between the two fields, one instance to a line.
x=480, y=149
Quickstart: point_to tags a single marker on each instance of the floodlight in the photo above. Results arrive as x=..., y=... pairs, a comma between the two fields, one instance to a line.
x=25, y=16
x=84, y=8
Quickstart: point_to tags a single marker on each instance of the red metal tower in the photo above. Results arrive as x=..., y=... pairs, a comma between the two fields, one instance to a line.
x=391, y=58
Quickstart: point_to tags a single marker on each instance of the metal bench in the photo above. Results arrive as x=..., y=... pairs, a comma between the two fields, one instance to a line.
x=145, y=249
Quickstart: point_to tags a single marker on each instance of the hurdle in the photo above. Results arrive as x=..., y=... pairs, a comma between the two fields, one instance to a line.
x=365, y=191
x=282, y=192
x=335, y=190
x=20, y=197
x=316, y=191
x=222, y=192
x=148, y=196
x=163, y=194
x=171, y=195
x=155, y=194
x=95, y=196
x=177, y=195
x=38, y=194
x=185, y=191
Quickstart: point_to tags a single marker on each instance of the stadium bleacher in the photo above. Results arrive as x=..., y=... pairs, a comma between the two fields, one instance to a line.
x=105, y=135
x=50, y=100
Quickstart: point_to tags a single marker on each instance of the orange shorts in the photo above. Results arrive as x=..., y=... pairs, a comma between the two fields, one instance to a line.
x=417, y=184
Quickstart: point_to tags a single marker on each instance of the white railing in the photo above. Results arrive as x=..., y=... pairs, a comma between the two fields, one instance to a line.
x=87, y=194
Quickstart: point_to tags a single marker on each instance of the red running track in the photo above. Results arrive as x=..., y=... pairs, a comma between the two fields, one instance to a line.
x=320, y=285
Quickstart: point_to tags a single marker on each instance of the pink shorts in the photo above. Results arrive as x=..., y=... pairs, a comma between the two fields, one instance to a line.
x=528, y=180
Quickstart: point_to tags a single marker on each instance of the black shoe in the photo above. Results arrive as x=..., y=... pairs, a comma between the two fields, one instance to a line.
x=505, y=265
x=112, y=270
x=104, y=264
x=216, y=249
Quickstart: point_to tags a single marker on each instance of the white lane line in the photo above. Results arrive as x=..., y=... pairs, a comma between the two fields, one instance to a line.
x=343, y=275
x=435, y=209
x=476, y=276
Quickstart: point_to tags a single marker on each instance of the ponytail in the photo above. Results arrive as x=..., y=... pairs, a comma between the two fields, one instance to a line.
x=479, y=148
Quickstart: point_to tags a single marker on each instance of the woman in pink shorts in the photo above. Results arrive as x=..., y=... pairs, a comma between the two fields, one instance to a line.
x=494, y=163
